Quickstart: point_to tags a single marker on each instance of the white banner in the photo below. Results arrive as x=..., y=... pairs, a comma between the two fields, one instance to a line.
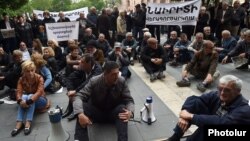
x=181, y=13
x=62, y=31
x=72, y=15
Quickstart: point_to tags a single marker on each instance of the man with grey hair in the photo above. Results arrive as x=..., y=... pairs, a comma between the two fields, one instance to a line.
x=225, y=106
x=242, y=50
x=129, y=45
x=169, y=45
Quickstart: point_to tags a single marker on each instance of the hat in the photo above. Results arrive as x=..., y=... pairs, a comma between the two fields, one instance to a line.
x=117, y=44
x=92, y=43
x=137, y=5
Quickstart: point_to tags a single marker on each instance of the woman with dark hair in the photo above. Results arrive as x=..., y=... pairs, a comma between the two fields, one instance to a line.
x=37, y=46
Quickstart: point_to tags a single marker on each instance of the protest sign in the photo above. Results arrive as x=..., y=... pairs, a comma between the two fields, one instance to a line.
x=181, y=13
x=62, y=31
x=72, y=15
x=8, y=33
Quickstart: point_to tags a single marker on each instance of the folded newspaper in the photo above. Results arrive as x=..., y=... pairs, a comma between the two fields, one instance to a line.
x=239, y=61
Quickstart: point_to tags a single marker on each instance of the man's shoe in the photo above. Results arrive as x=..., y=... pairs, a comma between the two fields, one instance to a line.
x=152, y=77
x=27, y=130
x=1, y=102
x=183, y=83
x=160, y=75
x=71, y=117
x=201, y=87
x=132, y=62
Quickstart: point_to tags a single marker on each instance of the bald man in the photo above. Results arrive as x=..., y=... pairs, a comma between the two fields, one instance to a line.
x=202, y=66
x=153, y=59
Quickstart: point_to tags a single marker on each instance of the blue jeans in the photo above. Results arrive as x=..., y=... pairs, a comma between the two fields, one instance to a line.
x=29, y=112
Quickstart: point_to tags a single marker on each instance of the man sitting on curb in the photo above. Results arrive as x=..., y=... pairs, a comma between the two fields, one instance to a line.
x=202, y=66
x=226, y=106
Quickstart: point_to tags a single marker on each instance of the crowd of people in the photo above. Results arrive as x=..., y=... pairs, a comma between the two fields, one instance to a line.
x=95, y=68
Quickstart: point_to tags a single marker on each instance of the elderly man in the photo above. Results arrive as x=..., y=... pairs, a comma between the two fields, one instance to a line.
x=129, y=45
x=242, y=50
x=169, y=45
x=153, y=59
x=121, y=57
x=106, y=97
x=202, y=66
x=227, y=44
x=222, y=107
x=197, y=44
x=87, y=68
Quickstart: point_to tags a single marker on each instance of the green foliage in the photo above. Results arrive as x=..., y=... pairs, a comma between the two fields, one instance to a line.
x=12, y=4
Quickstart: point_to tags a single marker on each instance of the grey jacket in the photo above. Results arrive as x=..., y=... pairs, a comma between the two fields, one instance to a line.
x=102, y=97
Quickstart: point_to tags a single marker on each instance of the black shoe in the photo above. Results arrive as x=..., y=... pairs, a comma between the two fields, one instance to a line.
x=1, y=102
x=173, y=63
x=71, y=117
x=183, y=83
x=201, y=87
x=160, y=75
x=16, y=131
x=67, y=113
x=132, y=62
x=152, y=77
x=27, y=130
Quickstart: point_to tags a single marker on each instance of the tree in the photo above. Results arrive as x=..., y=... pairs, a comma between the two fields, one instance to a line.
x=12, y=4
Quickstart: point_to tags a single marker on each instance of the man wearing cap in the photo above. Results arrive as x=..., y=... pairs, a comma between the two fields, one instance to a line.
x=121, y=58
x=153, y=59
x=129, y=45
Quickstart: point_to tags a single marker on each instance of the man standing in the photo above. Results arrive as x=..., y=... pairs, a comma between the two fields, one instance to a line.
x=106, y=97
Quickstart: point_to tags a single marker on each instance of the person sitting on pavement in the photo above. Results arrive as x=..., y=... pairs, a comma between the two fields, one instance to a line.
x=12, y=73
x=226, y=106
x=111, y=101
x=181, y=54
x=153, y=59
x=103, y=45
x=196, y=45
x=121, y=58
x=97, y=53
x=30, y=96
x=227, y=44
x=129, y=45
x=88, y=35
x=202, y=66
x=26, y=52
x=4, y=59
x=208, y=35
x=169, y=45
x=88, y=68
x=144, y=43
x=43, y=70
x=72, y=59
x=242, y=50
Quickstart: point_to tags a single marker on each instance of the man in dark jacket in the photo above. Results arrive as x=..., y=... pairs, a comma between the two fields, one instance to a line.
x=153, y=59
x=119, y=56
x=79, y=78
x=105, y=97
x=202, y=66
x=226, y=106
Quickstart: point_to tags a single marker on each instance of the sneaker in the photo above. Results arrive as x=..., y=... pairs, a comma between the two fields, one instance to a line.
x=152, y=77
x=160, y=75
x=201, y=87
x=183, y=83
x=1, y=102
x=173, y=63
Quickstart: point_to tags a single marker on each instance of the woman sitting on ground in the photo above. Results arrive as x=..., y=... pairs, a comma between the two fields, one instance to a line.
x=30, y=96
